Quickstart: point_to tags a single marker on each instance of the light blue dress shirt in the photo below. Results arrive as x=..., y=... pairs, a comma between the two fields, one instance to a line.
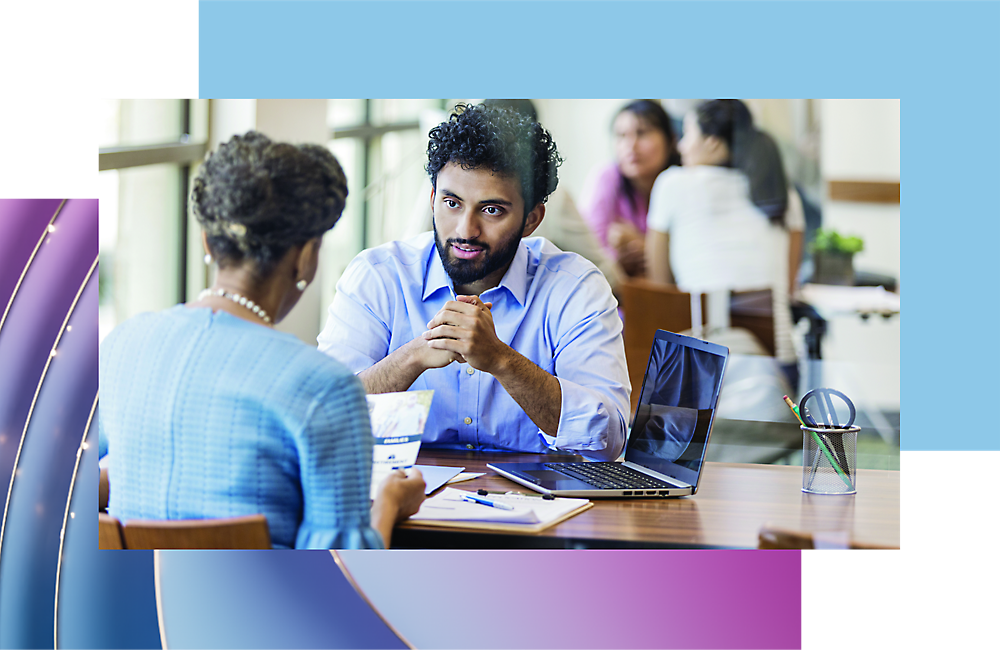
x=205, y=415
x=554, y=308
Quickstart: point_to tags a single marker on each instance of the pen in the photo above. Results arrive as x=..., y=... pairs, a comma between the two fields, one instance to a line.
x=486, y=502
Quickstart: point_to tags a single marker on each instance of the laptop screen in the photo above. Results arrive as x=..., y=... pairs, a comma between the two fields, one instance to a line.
x=679, y=395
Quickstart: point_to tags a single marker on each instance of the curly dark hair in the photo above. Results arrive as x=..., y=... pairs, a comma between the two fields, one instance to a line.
x=501, y=140
x=257, y=199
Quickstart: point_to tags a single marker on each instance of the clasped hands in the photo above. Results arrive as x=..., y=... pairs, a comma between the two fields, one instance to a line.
x=463, y=331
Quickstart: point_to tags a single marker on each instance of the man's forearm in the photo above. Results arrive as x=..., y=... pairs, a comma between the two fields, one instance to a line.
x=392, y=374
x=537, y=392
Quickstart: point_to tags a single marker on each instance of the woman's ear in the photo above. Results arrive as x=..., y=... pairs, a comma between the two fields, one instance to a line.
x=308, y=260
x=204, y=242
x=717, y=149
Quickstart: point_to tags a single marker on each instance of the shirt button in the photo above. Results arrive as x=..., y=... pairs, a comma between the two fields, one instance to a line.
x=468, y=420
x=470, y=370
x=470, y=446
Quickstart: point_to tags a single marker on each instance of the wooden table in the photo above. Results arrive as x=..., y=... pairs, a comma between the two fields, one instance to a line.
x=733, y=503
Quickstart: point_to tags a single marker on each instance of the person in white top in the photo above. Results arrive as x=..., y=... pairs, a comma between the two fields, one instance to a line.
x=726, y=220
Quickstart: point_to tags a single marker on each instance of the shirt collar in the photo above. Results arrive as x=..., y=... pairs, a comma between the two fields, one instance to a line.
x=435, y=278
x=515, y=280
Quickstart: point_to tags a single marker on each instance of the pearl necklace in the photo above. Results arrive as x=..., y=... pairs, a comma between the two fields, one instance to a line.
x=238, y=299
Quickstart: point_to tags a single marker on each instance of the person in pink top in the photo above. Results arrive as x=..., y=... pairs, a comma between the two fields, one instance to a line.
x=645, y=145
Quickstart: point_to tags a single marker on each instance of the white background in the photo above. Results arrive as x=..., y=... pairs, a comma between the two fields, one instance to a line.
x=938, y=591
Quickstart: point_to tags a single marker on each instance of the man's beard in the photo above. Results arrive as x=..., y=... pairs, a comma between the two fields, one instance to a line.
x=464, y=272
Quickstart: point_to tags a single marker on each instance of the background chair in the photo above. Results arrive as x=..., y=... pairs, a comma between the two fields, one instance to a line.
x=250, y=532
x=109, y=532
x=102, y=503
x=749, y=427
x=649, y=306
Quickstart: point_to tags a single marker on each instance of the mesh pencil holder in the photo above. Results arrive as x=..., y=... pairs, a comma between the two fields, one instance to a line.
x=829, y=460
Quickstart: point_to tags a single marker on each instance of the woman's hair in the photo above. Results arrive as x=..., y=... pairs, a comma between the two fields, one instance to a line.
x=653, y=114
x=257, y=199
x=501, y=140
x=751, y=151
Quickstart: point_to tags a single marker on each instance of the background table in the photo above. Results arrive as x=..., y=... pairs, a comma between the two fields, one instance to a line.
x=734, y=501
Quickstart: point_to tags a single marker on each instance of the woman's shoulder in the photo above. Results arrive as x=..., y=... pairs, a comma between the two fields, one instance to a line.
x=674, y=174
x=600, y=192
x=184, y=327
x=141, y=326
x=671, y=181
x=303, y=369
x=609, y=180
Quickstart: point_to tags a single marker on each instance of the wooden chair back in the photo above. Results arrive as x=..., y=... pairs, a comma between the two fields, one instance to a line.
x=650, y=306
x=105, y=493
x=109, y=532
x=250, y=532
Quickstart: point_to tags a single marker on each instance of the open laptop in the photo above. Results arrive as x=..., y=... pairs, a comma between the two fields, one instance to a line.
x=665, y=451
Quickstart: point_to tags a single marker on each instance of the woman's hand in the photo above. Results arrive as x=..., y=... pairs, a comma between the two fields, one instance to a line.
x=399, y=497
x=630, y=247
x=405, y=490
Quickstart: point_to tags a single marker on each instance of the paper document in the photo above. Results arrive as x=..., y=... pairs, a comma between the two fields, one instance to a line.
x=449, y=505
x=398, y=421
x=466, y=476
x=437, y=475
x=830, y=299
x=529, y=513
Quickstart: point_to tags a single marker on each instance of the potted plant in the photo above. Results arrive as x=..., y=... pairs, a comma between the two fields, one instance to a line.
x=833, y=256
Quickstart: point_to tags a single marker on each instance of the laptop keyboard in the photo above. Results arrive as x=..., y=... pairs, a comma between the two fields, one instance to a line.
x=614, y=476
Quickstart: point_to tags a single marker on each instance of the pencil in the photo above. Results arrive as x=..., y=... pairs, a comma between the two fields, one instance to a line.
x=795, y=410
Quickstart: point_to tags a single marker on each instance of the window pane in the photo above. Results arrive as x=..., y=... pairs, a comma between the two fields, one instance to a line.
x=400, y=189
x=343, y=242
x=136, y=122
x=389, y=111
x=345, y=112
x=140, y=242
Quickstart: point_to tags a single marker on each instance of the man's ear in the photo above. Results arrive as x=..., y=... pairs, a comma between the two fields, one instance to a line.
x=534, y=219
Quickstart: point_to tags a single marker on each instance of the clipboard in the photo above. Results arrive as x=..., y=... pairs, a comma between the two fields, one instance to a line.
x=446, y=510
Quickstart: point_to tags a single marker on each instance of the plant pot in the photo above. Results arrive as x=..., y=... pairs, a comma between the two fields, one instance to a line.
x=832, y=267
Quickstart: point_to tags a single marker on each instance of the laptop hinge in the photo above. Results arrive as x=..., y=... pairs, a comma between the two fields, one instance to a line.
x=662, y=477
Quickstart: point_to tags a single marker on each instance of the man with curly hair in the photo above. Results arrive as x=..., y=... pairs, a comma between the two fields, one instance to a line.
x=520, y=341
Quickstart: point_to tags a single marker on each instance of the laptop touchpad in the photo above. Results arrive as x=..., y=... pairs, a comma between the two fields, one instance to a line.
x=548, y=475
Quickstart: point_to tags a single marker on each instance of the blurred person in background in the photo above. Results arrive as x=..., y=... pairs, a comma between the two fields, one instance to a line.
x=726, y=219
x=618, y=199
x=207, y=411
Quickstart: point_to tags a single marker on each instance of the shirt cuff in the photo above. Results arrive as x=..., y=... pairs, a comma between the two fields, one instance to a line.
x=586, y=425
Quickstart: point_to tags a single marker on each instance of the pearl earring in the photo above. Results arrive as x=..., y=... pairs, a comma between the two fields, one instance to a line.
x=301, y=285
x=208, y=259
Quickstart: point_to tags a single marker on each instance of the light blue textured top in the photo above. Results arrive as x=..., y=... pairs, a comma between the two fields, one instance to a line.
x=206, y=415
x=555, y=308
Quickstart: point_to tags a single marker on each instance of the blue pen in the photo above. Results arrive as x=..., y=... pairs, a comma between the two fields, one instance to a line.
x=486, y=502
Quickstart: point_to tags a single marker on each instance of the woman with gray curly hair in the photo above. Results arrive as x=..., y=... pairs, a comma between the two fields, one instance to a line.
x=207, y=411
